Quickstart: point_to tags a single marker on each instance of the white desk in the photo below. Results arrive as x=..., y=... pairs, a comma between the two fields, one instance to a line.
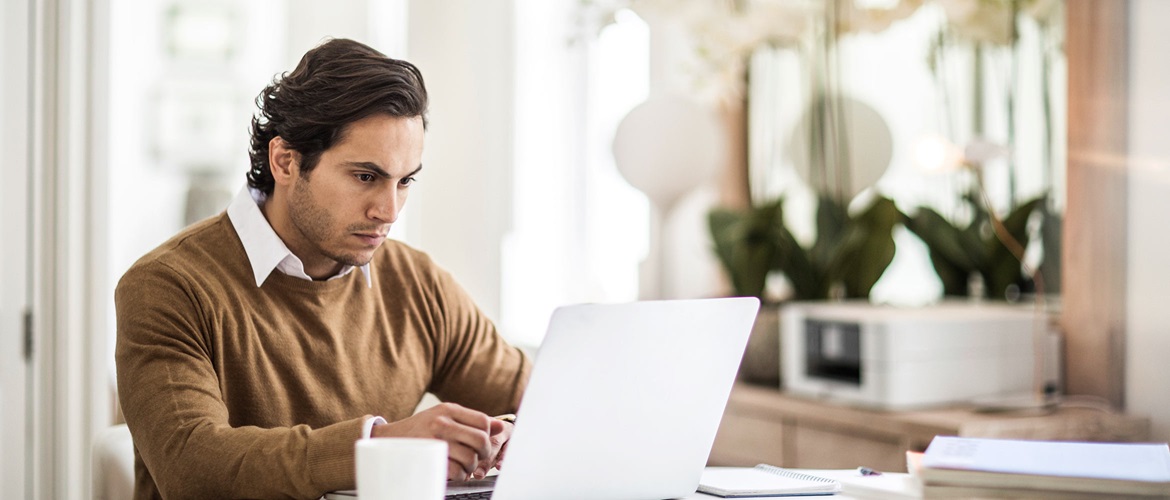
x=855, y=487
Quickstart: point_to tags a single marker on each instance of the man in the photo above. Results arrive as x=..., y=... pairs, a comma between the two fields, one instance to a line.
x=251, y=356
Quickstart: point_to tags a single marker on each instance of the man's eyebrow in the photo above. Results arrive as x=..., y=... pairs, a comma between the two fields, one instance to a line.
x=377, y=169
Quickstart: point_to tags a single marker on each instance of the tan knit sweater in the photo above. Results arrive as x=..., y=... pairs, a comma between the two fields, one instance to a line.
x=236, y=391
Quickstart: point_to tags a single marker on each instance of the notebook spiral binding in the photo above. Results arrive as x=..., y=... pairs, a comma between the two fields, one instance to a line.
x=779, y=471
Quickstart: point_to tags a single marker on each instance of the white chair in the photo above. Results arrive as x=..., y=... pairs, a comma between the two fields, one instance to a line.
x=113, y=464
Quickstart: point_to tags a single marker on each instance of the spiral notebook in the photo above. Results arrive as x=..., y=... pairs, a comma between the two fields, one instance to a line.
x=763, y=481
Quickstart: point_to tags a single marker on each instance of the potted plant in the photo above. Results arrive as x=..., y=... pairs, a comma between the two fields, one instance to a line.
x=972, y=259
x=848, y=256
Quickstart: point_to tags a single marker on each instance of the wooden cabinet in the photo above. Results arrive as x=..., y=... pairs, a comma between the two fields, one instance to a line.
x=763, y=425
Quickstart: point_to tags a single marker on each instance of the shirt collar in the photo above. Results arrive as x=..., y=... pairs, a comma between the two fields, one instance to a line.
x=266, y=251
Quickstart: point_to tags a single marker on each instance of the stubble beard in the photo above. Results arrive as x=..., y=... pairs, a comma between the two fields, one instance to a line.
x=315, y=225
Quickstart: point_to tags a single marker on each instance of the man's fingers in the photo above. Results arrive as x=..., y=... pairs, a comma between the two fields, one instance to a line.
x=503, y=439
x=465, y=457
x=466, y=426
x=467, y=416
x=455, y=471
x=472, y=437
x=454, y=432
x=500, y=457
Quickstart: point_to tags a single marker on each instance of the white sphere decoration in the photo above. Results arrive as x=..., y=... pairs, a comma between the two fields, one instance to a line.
x=867, y=142
x=667, y=146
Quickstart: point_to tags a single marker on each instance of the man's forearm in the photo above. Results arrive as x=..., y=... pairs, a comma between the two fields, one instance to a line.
x=216, y=461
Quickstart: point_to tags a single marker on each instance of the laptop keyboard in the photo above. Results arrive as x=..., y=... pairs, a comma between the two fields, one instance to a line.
x=472, y=489
x=479, y=495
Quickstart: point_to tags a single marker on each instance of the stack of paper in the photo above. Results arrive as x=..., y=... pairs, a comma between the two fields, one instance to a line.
x=964, y=467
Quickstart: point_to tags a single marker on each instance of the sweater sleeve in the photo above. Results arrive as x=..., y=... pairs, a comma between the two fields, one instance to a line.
x=171, y=398
x=475, y=366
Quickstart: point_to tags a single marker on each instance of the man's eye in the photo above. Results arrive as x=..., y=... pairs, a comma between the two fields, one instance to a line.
x=406, y=181
x=365, y=177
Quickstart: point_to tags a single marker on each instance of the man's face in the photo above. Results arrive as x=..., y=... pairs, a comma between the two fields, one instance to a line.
x=340, y=212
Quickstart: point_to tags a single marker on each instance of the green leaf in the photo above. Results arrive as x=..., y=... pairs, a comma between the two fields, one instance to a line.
x=950, y=243
x=804, y=274
x=722, y=225
x=954, y=279
x=871, y=247
x=745, y=256
x=1003, y=268
x=747, y=245
x=832, y=225
x=957, y=252
x=1017, y=221
x=852, y=250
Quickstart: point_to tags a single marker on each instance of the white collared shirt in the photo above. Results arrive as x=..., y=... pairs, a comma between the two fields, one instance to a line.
x=266, y=251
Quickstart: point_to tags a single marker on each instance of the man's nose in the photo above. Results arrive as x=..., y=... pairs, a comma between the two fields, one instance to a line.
x=387, y=206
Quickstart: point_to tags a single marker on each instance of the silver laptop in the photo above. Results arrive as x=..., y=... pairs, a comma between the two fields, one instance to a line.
x=624, y=401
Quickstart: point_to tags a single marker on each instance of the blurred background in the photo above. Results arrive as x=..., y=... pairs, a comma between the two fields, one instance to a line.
x=523, y=199
x=613, y=150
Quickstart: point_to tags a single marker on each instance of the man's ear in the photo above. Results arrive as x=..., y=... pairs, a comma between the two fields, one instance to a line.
x=283, y=161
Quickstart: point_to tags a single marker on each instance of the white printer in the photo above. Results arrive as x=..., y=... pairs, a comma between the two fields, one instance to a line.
x=911, y=357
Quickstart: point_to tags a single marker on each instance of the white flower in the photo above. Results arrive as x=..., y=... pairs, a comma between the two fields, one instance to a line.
x=724, y=36
x=726, y=32
x=854, y=19
x=779, y=22
x=991, y=20
x=1045, y=11
x=980, y=20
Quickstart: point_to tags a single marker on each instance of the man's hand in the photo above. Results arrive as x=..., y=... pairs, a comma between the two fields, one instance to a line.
x=501, y=432
x=474, y=440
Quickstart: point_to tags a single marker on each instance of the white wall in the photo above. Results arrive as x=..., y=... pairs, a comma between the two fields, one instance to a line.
x=14, y=87
x=378, y=23
x=309, y=22
x=547, y=158
x=1148, y=273
x=461, y=205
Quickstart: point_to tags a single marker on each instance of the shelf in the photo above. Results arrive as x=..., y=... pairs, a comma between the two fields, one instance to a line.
x=764, y=425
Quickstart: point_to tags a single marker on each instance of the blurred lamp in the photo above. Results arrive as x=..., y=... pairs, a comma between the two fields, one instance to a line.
x=666, y=147
x=935, y=154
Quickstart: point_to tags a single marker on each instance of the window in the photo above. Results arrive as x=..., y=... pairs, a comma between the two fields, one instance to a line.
x=579, y=229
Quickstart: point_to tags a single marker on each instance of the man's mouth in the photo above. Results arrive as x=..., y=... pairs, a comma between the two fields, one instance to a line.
x=372, y=239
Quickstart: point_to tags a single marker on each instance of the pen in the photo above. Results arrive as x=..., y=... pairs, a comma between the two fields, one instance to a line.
x=866, y=471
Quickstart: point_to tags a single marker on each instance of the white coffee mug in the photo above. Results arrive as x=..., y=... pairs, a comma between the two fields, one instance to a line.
x=401, y=469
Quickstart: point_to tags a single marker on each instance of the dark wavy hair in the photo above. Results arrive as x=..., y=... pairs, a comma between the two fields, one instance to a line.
x=335, y=84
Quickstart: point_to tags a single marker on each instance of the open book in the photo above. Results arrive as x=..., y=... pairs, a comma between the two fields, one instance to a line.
x=1046, y=466
x=763, y=480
